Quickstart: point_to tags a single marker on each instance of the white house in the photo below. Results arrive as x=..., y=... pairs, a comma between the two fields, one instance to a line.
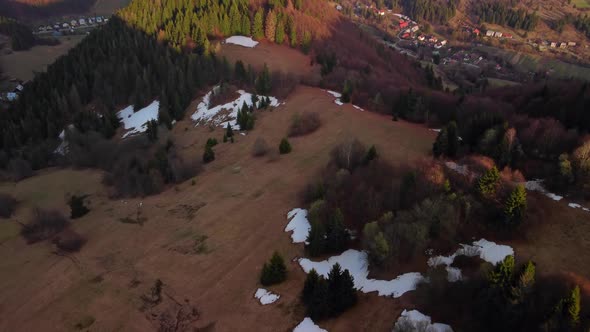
x=82, y=21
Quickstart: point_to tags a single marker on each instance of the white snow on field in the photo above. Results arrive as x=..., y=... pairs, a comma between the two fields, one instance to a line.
x=136, y=122
x=299, y=225
x=242, y=41
x=537, y=185
x=204, y=114
x=266, y=297
x=336, y=95
x=436, y=130
x=578, y=206
x=419, y=322
x=307, y=325
x=356, y=262
x=358, y=108
x=461, y=169
x=486, y=250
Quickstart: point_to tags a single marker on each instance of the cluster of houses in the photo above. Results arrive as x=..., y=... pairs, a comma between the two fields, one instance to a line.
x=545, y=44
x=74, y=23
x=497, y=34
x=13, y=95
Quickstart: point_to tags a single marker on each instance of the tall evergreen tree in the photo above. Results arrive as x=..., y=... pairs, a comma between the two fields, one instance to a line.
x=270, y=26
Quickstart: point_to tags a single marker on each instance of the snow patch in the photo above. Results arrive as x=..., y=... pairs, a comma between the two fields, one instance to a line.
x=419, y=322
x=486, y=250
x=436, y=130
x=574, y=205
x=461, y=169
x=537, y=185
x=266, y=297
x=336, y=95
x=299, y=225
x=242, y=41
x=204, y=114
x=307, y=325
x=356, y=262
x=136, y=122
x=358, y=108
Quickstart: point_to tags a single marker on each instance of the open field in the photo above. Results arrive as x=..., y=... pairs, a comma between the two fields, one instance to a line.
x=24, y=64
x=239, y=203
x=581, y=4
x=277, y=58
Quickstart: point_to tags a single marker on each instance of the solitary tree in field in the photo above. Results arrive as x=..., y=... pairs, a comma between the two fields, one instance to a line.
x=285, y=146
x=77, y=207
x=208, y=155
x=229, y=132
x=274, y=271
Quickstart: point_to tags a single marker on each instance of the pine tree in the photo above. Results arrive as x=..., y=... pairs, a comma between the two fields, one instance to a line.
x=488, y=183
x=263, y=84
x=347, y=92
x=306, y=42
x=280, y=32
x=371, y=154
x=274, y=271
x=515, y=206
x=319, y=306
x=316, y=239
x=229, y=132
x=152, y=130
x=309, y=286
x=285, y=146
x=270, y=26
x=208, y=155
x=337, y=236
x=258, y=28
x=573, y=307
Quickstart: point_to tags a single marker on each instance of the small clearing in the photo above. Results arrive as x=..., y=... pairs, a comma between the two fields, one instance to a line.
x=242, y=41
x=136, y=122
x=307, y=325
x=357, y=263
x=265, y=296
x=299, y=225
x=414, y=320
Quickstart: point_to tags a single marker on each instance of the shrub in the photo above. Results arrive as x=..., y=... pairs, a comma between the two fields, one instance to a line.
x=371, y=154
x=44, y=225
x=260, y=147
x=77, y=207
x=273, y=272
x=349, y=155
x=208, y=155
x=69, y=241
x=305, y=123
x=211, y=142
x=285, y=146
x=7, y=205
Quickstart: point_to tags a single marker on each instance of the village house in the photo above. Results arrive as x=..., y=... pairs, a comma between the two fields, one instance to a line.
x=476, y=32
x=490, y=33
x=338, y=8
x=421, y=38
x=65, y=25
x=99, y=18
x=82, y=21
x=403, y=24
x=498, y=34
x=562, y=45
x=572, y=44
x=553, y=44
x=415, y=28
x=507, y=35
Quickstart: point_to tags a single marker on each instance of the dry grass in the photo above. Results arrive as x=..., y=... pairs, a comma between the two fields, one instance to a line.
x=236, y=188
x=24, y=64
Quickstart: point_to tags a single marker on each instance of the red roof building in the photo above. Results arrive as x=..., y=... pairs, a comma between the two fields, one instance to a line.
x=403, y=24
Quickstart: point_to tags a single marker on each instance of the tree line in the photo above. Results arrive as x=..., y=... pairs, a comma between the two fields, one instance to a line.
x=21, y=36
x=501, y=13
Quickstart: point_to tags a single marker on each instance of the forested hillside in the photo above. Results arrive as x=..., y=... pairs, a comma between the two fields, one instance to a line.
x=502, y=13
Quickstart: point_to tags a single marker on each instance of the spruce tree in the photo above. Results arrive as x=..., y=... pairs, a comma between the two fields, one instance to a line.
x=263, y=84
x=280, y=32
x=152, y=130
x=316, y=239
x=270, y=26
x=347, y=92
x=309, y=286
x=515, y=206
x=258, y=26
x=337, y=236
x=274, y=271
x=488, y=183
x=229, y=132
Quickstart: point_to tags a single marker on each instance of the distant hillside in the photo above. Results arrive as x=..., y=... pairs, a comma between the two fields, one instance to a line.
x=40, y=9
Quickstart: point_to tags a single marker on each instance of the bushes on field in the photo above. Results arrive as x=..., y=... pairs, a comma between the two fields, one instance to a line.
x=304, y=123
x=329, y=297
x=69, y=241
x=285, y=146
x=327, y=234
x=273, y=272
x=7, y=205
x=260, y=147
x=77, y=207
x=44, y=225
x=208, y=155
